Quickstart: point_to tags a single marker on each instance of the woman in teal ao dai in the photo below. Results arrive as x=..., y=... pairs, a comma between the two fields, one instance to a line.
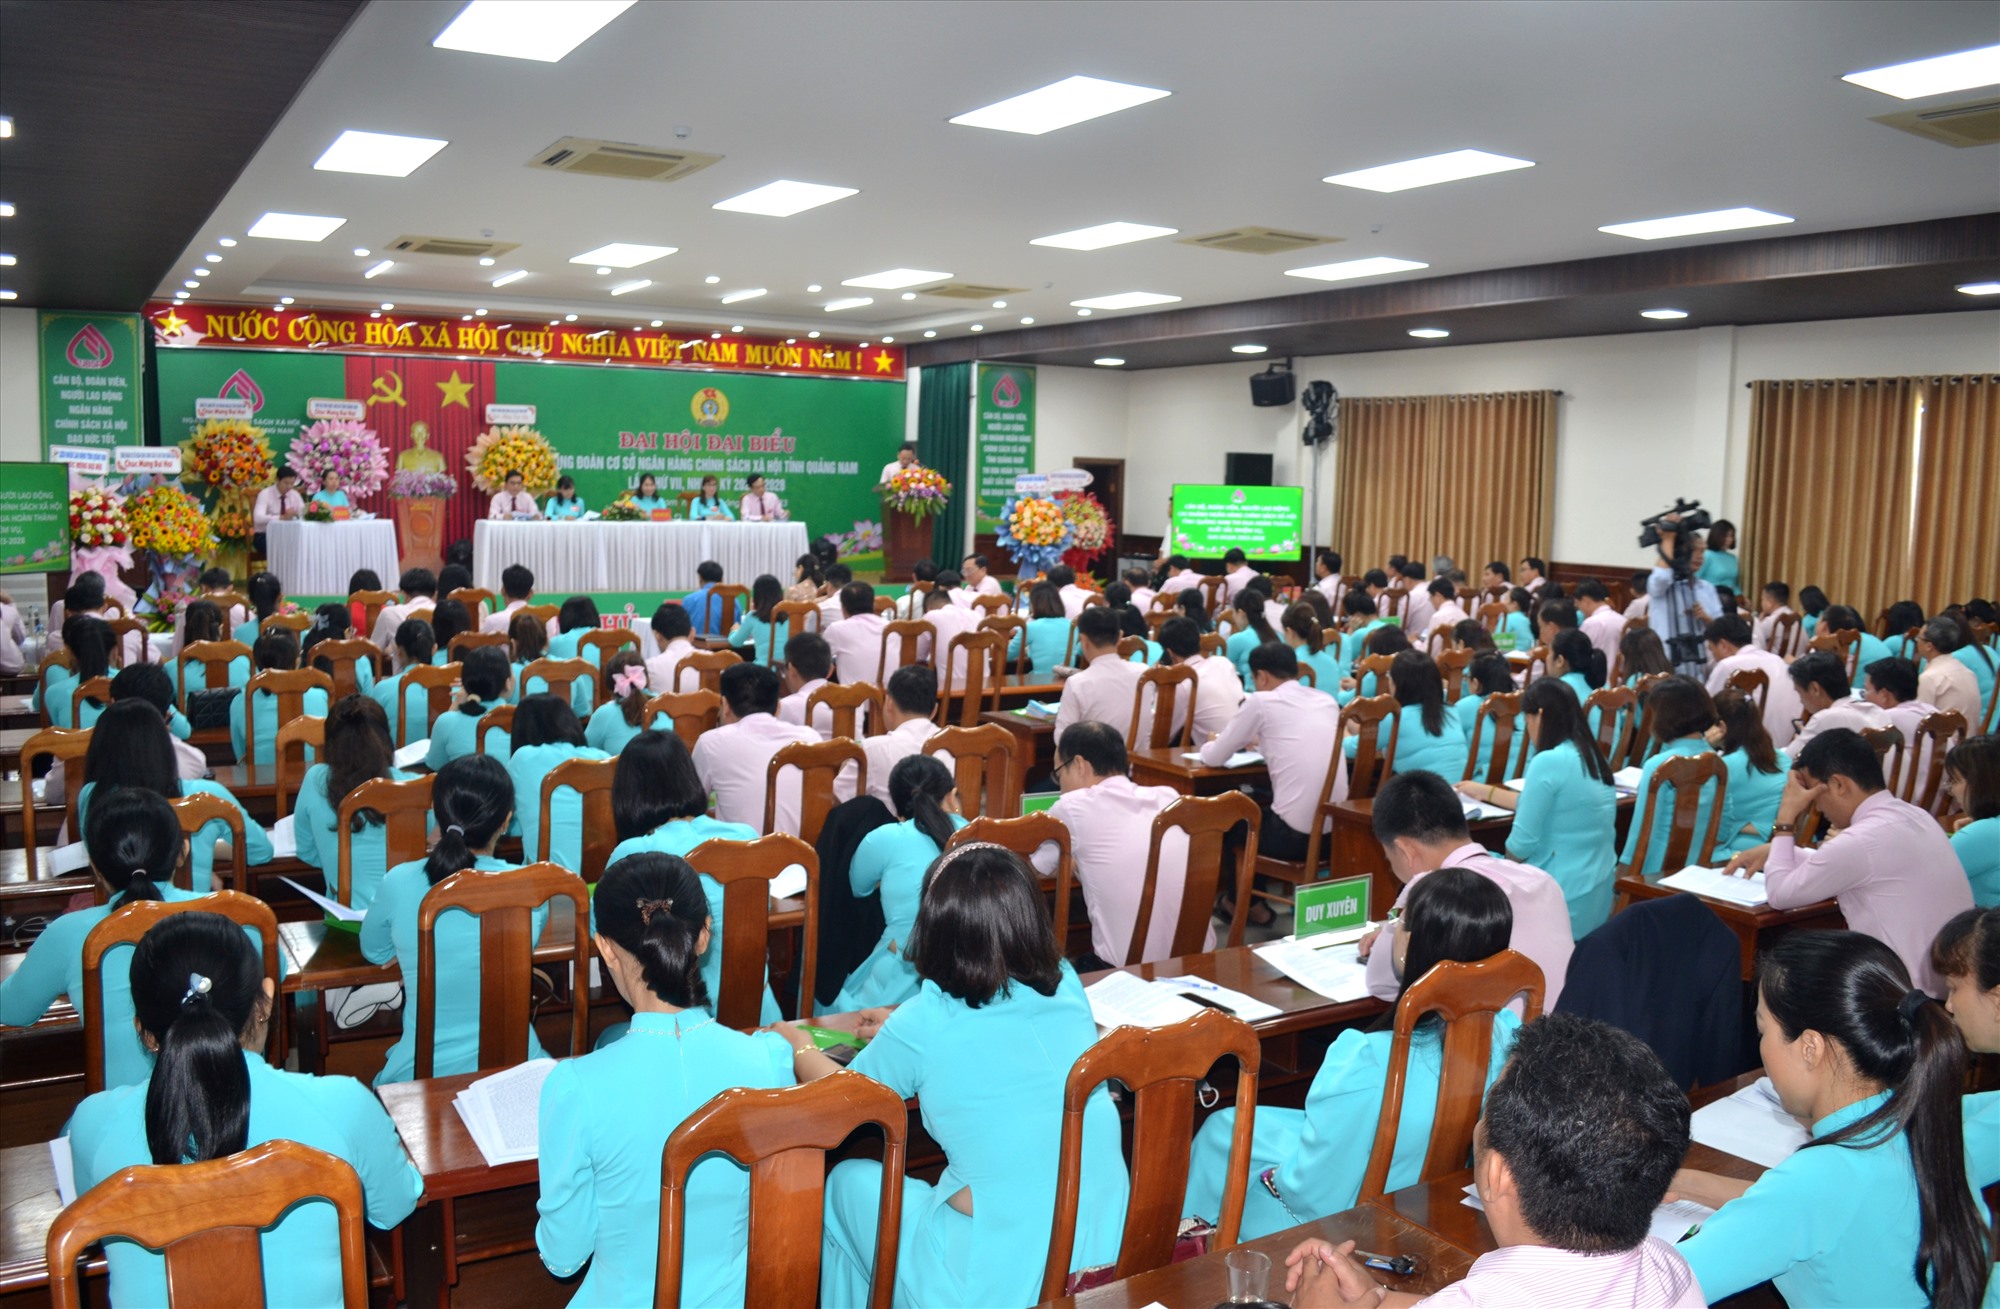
x=892, y=860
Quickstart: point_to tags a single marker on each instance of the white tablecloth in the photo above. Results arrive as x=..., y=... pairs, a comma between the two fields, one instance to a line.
x=318, y=558
x=599, y=556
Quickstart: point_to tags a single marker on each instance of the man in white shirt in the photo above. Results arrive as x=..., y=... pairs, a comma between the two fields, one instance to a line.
x=1532, y=573
x=517, y=587
x=856, y=640
x=1327, y=578
x=1297, y=730
x=1110, y=821
x=1640, y=603
x=909, y=704
x=1106, y=687
x=1826, y=697
x=1773, y=600
x=1236, y=574
x=910, y=604
x=977, y=580
x=513, y=501
x=947, y=621
x=1604, y=625
x=1180, y=577
x=808, y=661
x=1140, y=581
x=1891, y=686
x=1730, y=652
x=838, y=576
x=419, y=587
x=1063, y=578
x=1948, y=679
x=1418, y=609
x=1446, y=612
x=278, y=503
x=1419, y=821
x=1218, y=691
x=733, y=758
x=674, y=630
x=906, y=457
x=760, y=506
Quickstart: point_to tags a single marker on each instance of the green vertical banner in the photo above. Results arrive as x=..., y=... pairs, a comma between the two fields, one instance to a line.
x=90, y=379
x=34, y=518
x=275, y=383
x=1003, y=435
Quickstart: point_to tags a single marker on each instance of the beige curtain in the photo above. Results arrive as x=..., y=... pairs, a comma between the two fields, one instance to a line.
x=1471, y=476
x=1955, y=538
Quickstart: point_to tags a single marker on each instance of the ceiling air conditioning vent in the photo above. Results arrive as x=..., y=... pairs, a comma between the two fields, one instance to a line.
x=637, y=163
x=971, y=291
x=1258, y=241
x=1976, y=122
x=454, y=246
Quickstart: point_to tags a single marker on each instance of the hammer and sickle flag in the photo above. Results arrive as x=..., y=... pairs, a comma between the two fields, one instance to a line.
x=387, y=388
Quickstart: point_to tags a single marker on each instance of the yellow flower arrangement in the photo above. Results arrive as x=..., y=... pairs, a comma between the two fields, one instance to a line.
x=1038, y=522
x=504, y=450
x=229, y=454
x=169, y=521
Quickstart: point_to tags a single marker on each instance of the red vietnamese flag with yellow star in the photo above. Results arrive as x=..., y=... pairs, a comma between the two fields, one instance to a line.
x=447, y=396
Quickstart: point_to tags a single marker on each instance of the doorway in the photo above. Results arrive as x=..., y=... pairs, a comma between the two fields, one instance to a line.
x=1107, y=482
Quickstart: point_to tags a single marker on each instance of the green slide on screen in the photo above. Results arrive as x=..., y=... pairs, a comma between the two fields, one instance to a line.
x=1263, y=522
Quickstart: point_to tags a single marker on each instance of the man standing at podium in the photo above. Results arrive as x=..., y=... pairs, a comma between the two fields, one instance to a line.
x=906, y=457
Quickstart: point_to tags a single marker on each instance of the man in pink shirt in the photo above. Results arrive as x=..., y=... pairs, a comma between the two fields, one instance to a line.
x=1180, y=577
x=976, y=580
x=1891, y=686
x=1532, y=573
x=1297, y=730
x=1825, y=695
x=808, y=662
x=1236, y=574
x=1420, y=823
x=517, y=587
x=277, y=503
x=1775, y=599
x=1579, y=1141
x=419, y=587
x=1603, y=624
x=1418, y=609
x=856, y=640
x=1327, y=579
x=948, y=620
x=513, y=500
x=1446, y=611
x=673, y=631
x=1140, y=580
x=732, y=759
x=1731, y=652
x=908, y=705
x=1217, y=691
x=1110, y=821
x=1106, y=688
x=760, y=506
x=1891, y=867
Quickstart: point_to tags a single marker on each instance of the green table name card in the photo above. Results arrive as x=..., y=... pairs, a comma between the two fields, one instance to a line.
x=1336, y=906
x=1039, y=803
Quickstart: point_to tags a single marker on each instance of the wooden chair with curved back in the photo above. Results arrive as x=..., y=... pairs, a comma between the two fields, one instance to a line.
x=499, y=718
x=1368, y=715
x=745, y=870
x=123, y=927
x=296, y=624
x=455, y=648
x=1887, y=743
x=983, y=768
x=1163, y=1069
x=1318, y=840
x=1158, y=618
x=1688, y=775
x=910, y=635
x=1205, y=822
x=1131, y=645
x=196, y=811
x=591, y=779
x=1846, y=644
x=1787, y=636
x=798, y=616
x=884, y=604
x=1642, y=734
x=1375, y=666
x=437, y=681
x=992, y=605
x=607, y=641
x=707, y=667
x=985, y=671
x=95, y=689
x=1213, y=643
x=207, y=1220
x=819, y=764
x=1498, y=719
x=1536, y=666
x=1451, y=666
x=1617, y=710
x=372, y=604
x=294, y=739
x=124, y=627
x=289, y=686
x=543, y=613
x=1015, y=629
x=1754, y=683
x=558, y=676
x=720, y=606
x=1491, y=614
x=504, y=903
x=405, y=808
x=478, y=601
x=1024, y=836
x=1153, y=703
x=227, y=600
x=1467, y=997
x=847, y=703
x=691, y=712
x=69, y=744
x=783, y=1137
x=1922, y=783
x=343, y=658
x=1213, y=593
x=214, y=658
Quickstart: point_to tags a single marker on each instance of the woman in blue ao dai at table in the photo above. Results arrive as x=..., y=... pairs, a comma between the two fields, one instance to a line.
x=893, y=860
x=565, y=505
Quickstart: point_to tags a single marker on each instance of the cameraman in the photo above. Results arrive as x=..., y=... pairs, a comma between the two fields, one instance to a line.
x=1680, y=604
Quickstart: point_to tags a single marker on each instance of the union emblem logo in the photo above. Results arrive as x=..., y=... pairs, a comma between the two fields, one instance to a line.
x=89, y=349
x=1006, y=392
x=241, y=386
x=709, y=407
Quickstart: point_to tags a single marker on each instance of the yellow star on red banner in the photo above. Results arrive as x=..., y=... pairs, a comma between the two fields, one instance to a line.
x=455, y=391
x=172, y=323
x=884, y=362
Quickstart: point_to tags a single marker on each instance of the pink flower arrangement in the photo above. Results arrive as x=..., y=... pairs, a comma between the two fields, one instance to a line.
x=338, y=445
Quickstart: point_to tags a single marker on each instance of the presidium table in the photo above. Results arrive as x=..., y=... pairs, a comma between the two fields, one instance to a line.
x=318, y=558
x=579, y=557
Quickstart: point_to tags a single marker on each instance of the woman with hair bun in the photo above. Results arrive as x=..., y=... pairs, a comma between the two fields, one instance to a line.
x=203, y=1003
x=892, y=859
x=599, y=1157
x=471, y=800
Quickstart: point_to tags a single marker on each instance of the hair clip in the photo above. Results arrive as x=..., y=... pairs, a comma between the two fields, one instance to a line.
x=197, y=985
x=647, y=908
x=455, y=830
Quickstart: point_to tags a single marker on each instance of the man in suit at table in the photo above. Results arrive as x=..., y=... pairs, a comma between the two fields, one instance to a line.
x=759, y=505
x=1730, y=651
x=512, y=500
x=856, y=640
x=1106, y=687
x=733, y=758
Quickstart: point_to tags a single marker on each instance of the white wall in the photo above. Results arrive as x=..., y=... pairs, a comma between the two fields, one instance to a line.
x=20, y=388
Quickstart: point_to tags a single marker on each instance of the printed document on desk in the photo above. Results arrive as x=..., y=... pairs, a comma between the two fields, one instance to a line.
x=1751, y=1125
x=1128, y=1000
x=502, y=1111
x=1336, y=974
x=1241, y=759
x=1672, y=1223
x=1746, y=891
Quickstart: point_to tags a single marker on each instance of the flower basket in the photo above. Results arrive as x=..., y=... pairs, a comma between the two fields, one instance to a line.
x=1091, y=530
x=97, y=519
x=413, y=485
x=339, y=446
x=504, y=450
x=228, y=454
x=1034, y=532
x=916, y=491
x=317, y=511
x=622, y=510
x=169, y=522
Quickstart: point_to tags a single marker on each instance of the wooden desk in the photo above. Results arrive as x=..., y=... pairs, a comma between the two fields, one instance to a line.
x=1755, y=928
x=1168, y=767
x=1015, y=691
x=1034, y=745
x=14, y=712
x=28, y=1208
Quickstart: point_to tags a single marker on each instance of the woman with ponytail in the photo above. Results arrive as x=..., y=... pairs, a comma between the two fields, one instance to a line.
x=267, y=597
x=759, y=628
x=1250, y=627
x=1757, y=773
x=416, y=643
x=1308, y=642
x=1966, y=957
x=621, y=704
x=1577, y=662
x=488, y=682
x=892, y=860
x=357, y=750
x=1877, y=1208
x=203, y=1003
x=600, y=1157
x=546, y=733
x=90, y=642
x=471, y=799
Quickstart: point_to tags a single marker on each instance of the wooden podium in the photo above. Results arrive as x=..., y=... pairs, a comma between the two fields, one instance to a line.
x=905, y=540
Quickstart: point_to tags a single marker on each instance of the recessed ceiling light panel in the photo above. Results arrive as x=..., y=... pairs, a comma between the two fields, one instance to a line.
x=1348, y=269
x=1103, y=235
x=542, y=30
x=1715, y=220
x=852, y=302
x=1938, y=75
x=1429, y=333
x=1428, y=171
x=1663, y=315
x=295, y=227
x=621, y=254
x=1109, y=361
x=737, y=297
x=514, y=276
x=380, y=268
x=1060, y=104
x=1979, y=288
x=782, y=199
x=1125, y=300
x=895, y=279
x=1248, y=349
x=639, y=285
x=379, y=154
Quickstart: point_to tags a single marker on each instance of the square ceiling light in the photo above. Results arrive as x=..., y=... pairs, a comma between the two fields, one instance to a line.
x=895, y=279
x=1428, y=171
x=1060, y=104
x=295, y=227
x=1715, y=220
x=1125, y=300
x=782, y=199
x=1347, y=269
x=852, y=302
x=542, y=30
x=377, y=153
x=1937, y=75
x=1102, y=235
x=621, y=254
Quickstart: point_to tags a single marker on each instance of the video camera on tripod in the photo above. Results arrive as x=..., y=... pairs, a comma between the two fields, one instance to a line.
x=1689, y=517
